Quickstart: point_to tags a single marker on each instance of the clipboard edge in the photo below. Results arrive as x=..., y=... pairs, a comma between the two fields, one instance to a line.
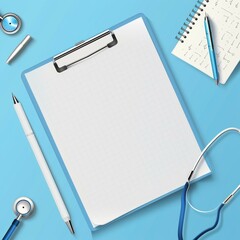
x=176, y=89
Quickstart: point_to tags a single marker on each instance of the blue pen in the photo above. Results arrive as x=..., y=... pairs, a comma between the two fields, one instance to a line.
x=211, y=48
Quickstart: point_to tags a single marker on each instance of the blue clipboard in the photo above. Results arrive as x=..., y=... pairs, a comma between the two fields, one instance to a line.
x=41, y=117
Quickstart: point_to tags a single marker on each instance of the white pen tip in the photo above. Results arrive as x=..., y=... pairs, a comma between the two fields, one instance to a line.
x=15, y=100
x=70, y=227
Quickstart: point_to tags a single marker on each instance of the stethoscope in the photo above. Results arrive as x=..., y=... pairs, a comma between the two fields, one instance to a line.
x=10, y=23
x=22, y=207
x=184, y=199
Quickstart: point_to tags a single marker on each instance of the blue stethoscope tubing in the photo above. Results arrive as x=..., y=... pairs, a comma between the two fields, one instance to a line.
x=182, y=211
x=182, y=216
x=187, y=185
x=11, y=229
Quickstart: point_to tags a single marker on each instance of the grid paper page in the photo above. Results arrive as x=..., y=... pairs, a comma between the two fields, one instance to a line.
x=224, y=18
x=118, y=125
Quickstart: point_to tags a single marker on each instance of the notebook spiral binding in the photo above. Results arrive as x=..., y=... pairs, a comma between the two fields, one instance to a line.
x=191, y=20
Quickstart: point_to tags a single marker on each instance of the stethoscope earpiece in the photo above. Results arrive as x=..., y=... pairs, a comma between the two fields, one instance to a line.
x=10, y=23
x=22, y=207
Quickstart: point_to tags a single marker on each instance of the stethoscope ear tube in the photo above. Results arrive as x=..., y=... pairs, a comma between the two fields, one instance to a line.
x=187, y=186
x=227, y=130
x=182, y=216
x=214, y=226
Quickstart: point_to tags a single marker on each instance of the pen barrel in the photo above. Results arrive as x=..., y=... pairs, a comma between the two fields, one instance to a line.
x=19, y=48
x=211, y=51
x=42, y=162
x=214, y=64
x=48, y=177
x=23, y=119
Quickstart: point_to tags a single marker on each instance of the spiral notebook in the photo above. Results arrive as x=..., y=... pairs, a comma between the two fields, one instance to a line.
x=192, y=44
x=116, y=121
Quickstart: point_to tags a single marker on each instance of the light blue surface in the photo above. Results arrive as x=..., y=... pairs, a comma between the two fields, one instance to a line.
x=56, y=26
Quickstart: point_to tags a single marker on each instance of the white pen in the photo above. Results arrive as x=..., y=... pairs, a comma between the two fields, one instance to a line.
x=19, y=48
x=42, y=163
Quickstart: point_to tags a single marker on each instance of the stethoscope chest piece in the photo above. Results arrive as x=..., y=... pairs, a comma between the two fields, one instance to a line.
x=23, y=206
x=10, y=23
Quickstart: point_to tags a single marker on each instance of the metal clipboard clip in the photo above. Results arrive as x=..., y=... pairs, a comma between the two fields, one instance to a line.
x=84, y=50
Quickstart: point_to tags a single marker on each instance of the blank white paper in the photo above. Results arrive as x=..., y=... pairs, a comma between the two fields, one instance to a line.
x=118, y=125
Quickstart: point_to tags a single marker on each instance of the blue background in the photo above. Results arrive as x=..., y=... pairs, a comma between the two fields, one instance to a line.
x=57, y=25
